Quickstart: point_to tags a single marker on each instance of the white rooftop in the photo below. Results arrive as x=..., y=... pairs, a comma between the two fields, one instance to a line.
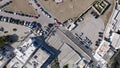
x=81, y=64
x=39, y=58
x=115, y=38
x=15, y=63
x=101, y=51
x=58, y=1
x=103, y=48
x=29, y=49
x=25, y=52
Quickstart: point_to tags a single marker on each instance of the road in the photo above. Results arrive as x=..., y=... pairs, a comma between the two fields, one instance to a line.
x=64, y=38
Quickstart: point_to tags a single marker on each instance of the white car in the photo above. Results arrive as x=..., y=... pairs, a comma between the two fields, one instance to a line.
x=71, y=26
x=40, y=33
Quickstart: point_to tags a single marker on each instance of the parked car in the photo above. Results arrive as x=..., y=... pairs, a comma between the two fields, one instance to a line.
x=27, y=23
x=11, y=20
x=7, y=19
x=22, y=22
x=1, y=17
x=32, y=25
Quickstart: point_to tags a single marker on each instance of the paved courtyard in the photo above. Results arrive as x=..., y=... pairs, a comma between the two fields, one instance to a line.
x=22, y=31
x=90, y=27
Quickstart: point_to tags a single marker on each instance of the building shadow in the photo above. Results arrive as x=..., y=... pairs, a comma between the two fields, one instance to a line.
x=50, y=50
x=13, y=38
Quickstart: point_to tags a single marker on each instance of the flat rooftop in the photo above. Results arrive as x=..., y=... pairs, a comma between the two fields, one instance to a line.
x=24, y=51
x=39, y=59
x=103, y=48
x=115, y=40
x=14, y=63
x=68, y=55
x=28, y=55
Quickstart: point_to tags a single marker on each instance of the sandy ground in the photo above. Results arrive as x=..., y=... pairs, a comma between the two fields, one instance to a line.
x=21, y=6
x=67, y=9
x=105, y=17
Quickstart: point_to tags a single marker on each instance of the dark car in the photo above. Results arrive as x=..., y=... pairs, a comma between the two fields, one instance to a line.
x=96, y=16
x=41, y=9
x=100, y=32
x=22, y=14
x=27, y=23
x=32, y=25
x=101, y=35
x=19, y=21
x=87, y=47
x=22, y=22
x=38, y=24
x=26, y=15
x=16, y=21
x=10, y=12
x=1, y=17
x=35, y=1
x=92, y=12
x=11, y=20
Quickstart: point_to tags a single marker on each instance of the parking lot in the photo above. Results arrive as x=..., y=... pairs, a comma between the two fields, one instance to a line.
x=89, y=29
x=45, y=18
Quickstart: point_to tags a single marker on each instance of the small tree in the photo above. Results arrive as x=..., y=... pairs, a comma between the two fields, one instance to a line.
x=118, y=31
x=55, y=63
x=3, y=40
x=65, y=66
